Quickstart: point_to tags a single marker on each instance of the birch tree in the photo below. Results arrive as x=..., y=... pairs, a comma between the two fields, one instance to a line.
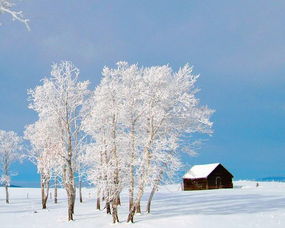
x=102, y=124
x=132, y=111
x=45, y=152
x=10, y=151
x=80, y=168
x=63, y=97
x=138, y=117
x=8, y=7
x=121, y=89
x=172, y=110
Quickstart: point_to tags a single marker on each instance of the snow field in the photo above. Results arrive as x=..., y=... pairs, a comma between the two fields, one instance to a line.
x=245, y=206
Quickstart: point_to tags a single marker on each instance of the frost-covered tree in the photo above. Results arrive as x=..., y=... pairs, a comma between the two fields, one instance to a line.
x=137, y=121
x=45, y=152
x=133, y=108
x=8, y=6
x=103, y=126
x=10, y=151
x=81, y=167
x=62, y=97
x=172, y=110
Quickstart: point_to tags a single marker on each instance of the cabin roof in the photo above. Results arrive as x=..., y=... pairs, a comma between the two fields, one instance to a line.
x=201, y=171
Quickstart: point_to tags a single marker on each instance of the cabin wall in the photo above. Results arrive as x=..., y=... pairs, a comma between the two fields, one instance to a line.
x=220, y=178
x=195, y=184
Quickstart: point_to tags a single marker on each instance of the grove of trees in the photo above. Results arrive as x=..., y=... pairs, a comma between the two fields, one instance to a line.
x=124, y=135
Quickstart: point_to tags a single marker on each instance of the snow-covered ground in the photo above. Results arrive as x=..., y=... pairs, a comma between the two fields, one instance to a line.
x=244, y=206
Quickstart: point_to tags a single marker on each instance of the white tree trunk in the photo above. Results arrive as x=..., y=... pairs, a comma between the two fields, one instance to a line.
x=55, y=190
x=144, y=174
x=80, y=190
x=98, y=206
x=70, y=190
x=116, y=196
x=150, y=198
x=154, y=189
x=132, y=178
x=115, y=211
x=44, y=190
x=7, y=193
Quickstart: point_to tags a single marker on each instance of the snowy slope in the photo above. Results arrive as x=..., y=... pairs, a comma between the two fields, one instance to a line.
x=244, y=206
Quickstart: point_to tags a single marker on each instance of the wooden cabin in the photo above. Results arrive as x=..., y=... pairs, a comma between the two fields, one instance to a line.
x=209, y=176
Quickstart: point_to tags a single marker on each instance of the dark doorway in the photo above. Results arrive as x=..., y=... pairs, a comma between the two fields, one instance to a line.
x=218, y=182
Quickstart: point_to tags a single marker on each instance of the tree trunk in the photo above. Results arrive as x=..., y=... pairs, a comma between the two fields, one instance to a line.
x=44, y=190
x=145, y=168
x=115, y=211
x=150, y=199
x=70, y=209
x=108, y=208
x=116, y=199
x=73, y=199
x=119, y=200
x=132, y=214
x=136, y=204
x=131, y=198
x=71, y=202
x=6, y=175
x=44, y=202
x=154, y=189
x=44, y=205
x=55, y=190
x=7, y=193
x=70, y=190
x=132, y=179
x=69, y=182
x=43, y=194
x=80, y=191
x=98, y=206
x=139, y=207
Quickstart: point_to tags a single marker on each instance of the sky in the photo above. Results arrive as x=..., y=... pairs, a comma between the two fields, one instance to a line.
x=237, y=48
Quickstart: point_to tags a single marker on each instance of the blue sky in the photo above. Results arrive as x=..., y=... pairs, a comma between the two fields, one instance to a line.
x=238, y=48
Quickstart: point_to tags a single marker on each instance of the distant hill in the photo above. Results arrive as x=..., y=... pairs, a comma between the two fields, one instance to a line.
x=12, y=186
x=15, y=186
x=277, y=179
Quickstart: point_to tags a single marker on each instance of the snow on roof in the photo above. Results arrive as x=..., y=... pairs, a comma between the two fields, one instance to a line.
x=200, y=171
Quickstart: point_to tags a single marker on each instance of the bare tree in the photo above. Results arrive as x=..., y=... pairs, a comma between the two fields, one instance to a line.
x=10, y=151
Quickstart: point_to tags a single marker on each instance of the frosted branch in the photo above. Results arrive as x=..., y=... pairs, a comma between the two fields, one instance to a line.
x=6, y=6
